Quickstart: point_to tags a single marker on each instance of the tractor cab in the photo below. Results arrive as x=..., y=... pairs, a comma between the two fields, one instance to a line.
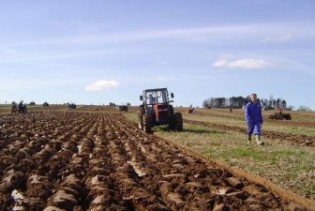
x=157, y=110
x=156, y=96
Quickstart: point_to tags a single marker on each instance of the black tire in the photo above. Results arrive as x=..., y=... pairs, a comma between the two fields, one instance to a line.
x=178, y=126
x=140, y=117
x=140, y=122
x=146, y=124
x=171, y=124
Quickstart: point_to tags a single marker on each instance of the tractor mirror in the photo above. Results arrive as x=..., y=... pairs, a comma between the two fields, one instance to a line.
x=172, y=95
x=141, y=97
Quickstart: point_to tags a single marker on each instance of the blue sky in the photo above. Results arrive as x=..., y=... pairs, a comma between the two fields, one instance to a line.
x=101, y=51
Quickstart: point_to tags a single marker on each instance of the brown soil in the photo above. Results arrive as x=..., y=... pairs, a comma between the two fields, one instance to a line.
x=293, y=123
x=292, y=138
x=238, y=114
x=96, y=161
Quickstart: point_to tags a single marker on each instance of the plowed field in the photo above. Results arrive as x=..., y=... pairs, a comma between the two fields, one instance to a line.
x=100, y=161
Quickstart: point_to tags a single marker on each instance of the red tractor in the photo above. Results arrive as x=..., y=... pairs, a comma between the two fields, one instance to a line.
x=157, y=110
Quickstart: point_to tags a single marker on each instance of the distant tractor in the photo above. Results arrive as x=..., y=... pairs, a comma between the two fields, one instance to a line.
x=45, y=104
x=157, y=110
x=280, y=115
x=123, y=108
x=72, y=106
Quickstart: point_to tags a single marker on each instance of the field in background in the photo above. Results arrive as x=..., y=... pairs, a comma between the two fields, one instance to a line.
x=282, y=161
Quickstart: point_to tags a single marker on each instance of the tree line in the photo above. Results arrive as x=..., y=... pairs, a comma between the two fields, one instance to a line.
x=239, y=102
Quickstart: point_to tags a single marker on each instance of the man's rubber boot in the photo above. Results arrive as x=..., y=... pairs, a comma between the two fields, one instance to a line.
x=258, y=141
x=249, y=139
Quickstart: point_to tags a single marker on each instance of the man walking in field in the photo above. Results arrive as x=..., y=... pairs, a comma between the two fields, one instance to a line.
x=254, y=119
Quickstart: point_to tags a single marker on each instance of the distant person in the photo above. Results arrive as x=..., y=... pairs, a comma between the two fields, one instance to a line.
x=254, y=119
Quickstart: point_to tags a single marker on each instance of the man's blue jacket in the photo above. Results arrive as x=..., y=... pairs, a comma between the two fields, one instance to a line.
x=253, y=113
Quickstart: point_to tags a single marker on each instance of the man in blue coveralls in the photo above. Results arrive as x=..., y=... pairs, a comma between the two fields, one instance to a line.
x=254, y=119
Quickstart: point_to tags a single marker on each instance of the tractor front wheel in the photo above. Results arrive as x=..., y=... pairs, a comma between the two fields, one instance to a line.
x=178, y=122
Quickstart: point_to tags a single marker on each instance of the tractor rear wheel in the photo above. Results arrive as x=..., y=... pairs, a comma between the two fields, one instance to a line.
x=140, y=117
x=140, y=122
x=146, y=124
x=178, y=126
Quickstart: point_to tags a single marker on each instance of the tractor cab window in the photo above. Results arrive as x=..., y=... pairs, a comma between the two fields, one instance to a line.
x=156, y=97
x=164, y=97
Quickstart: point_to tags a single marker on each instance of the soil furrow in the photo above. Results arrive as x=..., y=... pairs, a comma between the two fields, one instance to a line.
x=303, y=140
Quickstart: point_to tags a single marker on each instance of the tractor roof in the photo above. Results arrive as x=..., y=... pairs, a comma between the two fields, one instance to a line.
x=156, y=89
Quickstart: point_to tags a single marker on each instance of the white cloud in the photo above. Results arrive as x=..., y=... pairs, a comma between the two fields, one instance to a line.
x=242, y=63
x=200, y=34
x=36, y=57
x=277, y=38
x=221, y=63
x=74, y=25
x=102, y=85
